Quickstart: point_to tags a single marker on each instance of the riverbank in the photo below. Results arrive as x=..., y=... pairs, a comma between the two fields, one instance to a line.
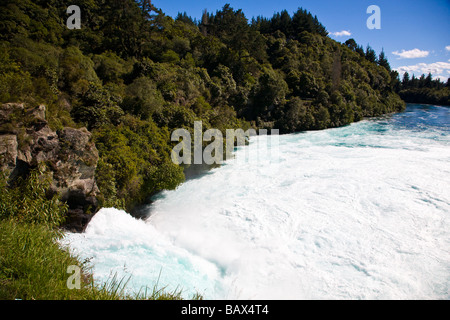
x=343, y=213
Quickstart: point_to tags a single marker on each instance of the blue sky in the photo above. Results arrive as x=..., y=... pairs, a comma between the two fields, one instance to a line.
x=415, y=34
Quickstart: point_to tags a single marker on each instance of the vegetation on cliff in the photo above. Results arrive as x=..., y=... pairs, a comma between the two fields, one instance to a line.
x=132, y=75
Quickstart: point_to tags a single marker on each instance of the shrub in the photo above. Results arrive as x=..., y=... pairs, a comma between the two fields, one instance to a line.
x=28, y=202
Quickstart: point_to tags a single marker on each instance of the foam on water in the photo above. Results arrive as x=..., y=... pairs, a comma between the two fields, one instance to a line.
x=360, y=212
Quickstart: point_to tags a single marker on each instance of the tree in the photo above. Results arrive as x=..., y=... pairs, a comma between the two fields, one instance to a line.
x=282, y=22
x=185, y=18
x=142, y=98
x=405, y=81
x=360, y=50
x=370, y=54
x=303, y=20
x=382, y=61
x=204, y=23
x=414, y=83
x=146, y=8
x=395, y=81
x=428, y=83
x=351, y=43
x=422, y=81
x=270, y=91
x=96, y=107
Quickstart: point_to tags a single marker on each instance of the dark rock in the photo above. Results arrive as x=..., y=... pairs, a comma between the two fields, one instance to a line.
x=77, y=220
x=26, y=140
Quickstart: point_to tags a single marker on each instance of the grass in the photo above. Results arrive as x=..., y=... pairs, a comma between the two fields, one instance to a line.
x=34, y=267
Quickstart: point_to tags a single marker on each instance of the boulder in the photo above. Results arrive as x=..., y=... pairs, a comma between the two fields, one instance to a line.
x=26, y=140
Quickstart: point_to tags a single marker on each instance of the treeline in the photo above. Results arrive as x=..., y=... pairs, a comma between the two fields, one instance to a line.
x=424, y=89
x=132, y=75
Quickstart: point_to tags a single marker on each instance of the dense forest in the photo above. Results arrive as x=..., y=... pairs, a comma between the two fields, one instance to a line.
x=424, y=90
x=132, y=75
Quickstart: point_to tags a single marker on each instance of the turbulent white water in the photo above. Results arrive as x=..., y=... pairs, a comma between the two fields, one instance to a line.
x=360, y=212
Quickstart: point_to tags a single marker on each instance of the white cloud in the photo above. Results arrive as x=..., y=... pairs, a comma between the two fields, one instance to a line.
x=439, y=70
x=447, y=48
x=411, y=54
x=341, y=33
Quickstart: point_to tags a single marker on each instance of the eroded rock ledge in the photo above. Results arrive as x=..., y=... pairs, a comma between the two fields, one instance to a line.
x=26, y=140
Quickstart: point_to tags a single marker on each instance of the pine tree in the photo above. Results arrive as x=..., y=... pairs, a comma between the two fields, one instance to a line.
x=414, y=83
x=405, y=81
x=428, y=83
x=147, y=7
x=204, y=23
x=370, y=54
x=382, y=61
x=422, y=81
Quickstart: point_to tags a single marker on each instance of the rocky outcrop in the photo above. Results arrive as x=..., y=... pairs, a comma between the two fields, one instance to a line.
x=26, y=140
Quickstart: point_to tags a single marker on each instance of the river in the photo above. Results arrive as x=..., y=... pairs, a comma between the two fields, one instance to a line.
x=358, y=212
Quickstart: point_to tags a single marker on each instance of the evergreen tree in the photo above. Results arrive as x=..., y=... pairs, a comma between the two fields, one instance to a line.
x=414, y=83
x=382, y=61
x=204, y=23
x=185, y=18
x=421, y=81
x=370, y=54
x=428, y=83
x=360, y=50
x=405, y=81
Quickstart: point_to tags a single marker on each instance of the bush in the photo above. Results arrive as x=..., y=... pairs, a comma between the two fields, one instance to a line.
x=28, y=202
x=15, y=83
x=96, y=107
x=142, y=98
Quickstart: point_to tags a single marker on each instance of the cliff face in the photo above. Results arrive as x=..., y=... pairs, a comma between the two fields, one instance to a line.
x=26, y=140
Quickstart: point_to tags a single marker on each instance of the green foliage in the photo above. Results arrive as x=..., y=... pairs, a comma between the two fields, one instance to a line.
x=142, y=98
x=29, y=202
x=109, y=67
x=15, y=83
x=382, y=61
x=32, y=265
x=293, y=26
x=106, y=182
x=135, y=162
x=424, y=90
x=270, y=92
x=96, y=106
x=297, y=115
x=132, y=75
x=76, y=67
x=370, y=54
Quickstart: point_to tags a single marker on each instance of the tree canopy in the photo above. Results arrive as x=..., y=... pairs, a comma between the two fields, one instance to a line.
x=132, y=75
